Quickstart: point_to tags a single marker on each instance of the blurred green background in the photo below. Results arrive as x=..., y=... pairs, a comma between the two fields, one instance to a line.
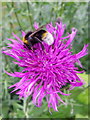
x=17, y=16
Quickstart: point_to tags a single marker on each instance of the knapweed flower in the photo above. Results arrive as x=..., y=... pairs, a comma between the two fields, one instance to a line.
x=45, y=72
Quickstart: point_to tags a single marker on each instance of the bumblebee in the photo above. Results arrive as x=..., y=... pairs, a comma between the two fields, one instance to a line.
x=38, y=36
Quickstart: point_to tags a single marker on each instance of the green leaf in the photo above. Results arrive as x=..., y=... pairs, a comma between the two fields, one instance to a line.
x=85, y=78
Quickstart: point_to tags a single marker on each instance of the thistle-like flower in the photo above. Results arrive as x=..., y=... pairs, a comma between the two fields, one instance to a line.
x=45, y=72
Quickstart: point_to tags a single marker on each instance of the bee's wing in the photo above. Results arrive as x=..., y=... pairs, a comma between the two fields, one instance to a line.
x=37, y=30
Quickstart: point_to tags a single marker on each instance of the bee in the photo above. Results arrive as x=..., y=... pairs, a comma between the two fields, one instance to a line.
x=38, y=36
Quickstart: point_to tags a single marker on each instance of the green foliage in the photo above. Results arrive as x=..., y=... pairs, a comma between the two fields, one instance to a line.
x=77, y=105
x=21, y=16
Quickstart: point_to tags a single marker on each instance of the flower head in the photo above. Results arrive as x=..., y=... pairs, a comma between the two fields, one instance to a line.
x=45, y=72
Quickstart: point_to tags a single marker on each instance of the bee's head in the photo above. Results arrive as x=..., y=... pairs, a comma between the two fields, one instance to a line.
x=47, y=38
x=25, y=38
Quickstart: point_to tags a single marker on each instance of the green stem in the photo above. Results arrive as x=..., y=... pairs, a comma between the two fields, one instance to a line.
x=30, y=18
x=25, y=108
x=17, y=17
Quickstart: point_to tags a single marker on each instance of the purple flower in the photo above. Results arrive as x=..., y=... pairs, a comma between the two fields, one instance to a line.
x=45, y=72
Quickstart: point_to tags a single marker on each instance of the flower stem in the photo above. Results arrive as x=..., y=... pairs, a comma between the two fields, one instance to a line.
x=25, y=107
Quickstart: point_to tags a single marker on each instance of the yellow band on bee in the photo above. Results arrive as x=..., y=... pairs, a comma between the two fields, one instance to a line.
x=44, y=35
x=24, y=40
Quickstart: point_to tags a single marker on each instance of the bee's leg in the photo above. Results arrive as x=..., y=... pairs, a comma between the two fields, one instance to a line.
x=40, y=42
